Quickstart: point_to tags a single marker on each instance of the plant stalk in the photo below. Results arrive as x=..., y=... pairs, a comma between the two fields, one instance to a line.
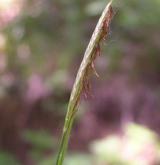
x=81, y=82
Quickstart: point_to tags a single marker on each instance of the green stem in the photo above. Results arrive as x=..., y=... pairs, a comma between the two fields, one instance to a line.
x=89, y=57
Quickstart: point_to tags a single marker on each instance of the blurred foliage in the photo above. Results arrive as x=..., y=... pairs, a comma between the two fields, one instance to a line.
x=39, y=139
x=138, y=145
x=78, y=159
x=41, y=142
x=8, y=159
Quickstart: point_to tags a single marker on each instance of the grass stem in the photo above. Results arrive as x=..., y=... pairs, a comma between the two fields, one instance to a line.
x=82, y=83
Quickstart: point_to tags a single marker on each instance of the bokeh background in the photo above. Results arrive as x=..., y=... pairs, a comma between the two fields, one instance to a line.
x=42, y=43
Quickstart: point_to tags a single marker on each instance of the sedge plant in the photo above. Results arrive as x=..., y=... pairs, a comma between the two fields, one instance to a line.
x=81, y=83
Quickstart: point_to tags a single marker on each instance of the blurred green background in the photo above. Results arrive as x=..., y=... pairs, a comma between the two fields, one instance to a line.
x=42, y=43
